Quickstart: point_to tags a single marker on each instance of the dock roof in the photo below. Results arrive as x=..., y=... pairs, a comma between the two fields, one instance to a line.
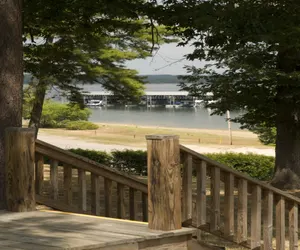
x=147, y=93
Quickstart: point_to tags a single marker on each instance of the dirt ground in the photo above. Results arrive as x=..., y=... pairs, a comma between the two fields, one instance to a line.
x=115, y=136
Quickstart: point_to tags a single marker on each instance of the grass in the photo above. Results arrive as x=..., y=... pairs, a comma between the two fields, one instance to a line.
x=135, y=135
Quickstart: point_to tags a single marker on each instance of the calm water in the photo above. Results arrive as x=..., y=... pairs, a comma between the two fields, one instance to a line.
x=167, y=117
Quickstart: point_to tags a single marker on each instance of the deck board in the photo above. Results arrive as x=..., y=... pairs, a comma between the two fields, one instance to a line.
x=57, y=230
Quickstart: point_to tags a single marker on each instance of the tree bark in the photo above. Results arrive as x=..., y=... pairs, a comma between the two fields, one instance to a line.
x=287, y=163
x=37, y=108
x=11, y=76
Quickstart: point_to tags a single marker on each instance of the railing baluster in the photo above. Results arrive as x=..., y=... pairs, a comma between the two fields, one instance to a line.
x=215, y=199
x=187, y=190
x=121, y=201
x=108, y=197
x=229, y=205
x=268, y=220
x=145, y=207
x=54, y=179
x=293, y=226
x=242, y=220
x=280, y=224
x=39, y=173
x=256, y=217
x=201, y=194
x=82, y=189
x=68, y=184
x=132, y=209
x=95, y=194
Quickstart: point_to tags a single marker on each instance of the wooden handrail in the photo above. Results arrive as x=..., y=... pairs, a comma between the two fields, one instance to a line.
x=248, y=205
x=83, y=163
x=239, y=174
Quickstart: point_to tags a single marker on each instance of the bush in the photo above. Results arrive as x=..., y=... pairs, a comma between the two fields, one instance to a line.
x=260, y=167
x=97, y=156
x=135, y=161
x=57, y=115
x=80, y=125
x=130, y=161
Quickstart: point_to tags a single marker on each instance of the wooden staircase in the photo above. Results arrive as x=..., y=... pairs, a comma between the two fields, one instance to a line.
x=215, y=198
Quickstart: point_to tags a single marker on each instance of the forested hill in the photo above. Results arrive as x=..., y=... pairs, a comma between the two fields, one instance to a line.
x=161, y=78
x=147, y=78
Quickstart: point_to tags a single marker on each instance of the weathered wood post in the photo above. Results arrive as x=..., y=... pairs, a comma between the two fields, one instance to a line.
x=19, y=168
x=164, y=182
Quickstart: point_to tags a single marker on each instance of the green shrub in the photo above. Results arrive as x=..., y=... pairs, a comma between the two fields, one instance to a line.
x=135, y=161
x=97, y=156
x=80, y=125
x=260, y=167
x=130, y=161
x=57, y=115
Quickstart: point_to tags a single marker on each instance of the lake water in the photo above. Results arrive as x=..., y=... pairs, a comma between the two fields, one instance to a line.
x=166, y=117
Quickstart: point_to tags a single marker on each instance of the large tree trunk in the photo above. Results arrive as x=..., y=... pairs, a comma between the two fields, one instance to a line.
x=287, y=164
x=11, y=76
x=37, y=108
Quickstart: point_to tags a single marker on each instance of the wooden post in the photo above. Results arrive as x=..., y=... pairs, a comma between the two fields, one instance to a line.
x=19, y=164
x=164, y=182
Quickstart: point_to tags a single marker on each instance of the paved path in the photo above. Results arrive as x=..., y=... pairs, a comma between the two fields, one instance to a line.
x=72, y=142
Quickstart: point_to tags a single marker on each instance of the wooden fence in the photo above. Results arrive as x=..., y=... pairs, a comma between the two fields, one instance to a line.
x=199, y=192
x=236, y=207
x=86, y=186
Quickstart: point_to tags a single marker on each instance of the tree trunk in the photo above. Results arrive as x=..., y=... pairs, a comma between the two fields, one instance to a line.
x=287, y=164
x=37, y=108
x=11, y=76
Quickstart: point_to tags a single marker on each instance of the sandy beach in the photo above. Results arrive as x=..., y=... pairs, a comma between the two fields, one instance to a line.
x=125, y=136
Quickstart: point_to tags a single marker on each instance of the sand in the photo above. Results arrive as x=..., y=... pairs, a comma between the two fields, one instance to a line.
x=66, y=142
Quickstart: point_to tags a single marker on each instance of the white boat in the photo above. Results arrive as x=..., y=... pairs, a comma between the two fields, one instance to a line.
x=198, y=103
x=94, y=103
x=173, y=106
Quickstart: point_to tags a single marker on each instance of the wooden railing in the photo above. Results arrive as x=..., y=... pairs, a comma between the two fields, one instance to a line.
x=231, y=205
x=214, y=198
x=68, y=182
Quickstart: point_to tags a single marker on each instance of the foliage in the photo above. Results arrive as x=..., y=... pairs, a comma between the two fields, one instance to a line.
x=28, y=98
x=135, y=161
x=252, y=50
x=80, y=125
x=130, y=161
x=101, y=157
x=260, y=167
x=57, y=115
x=265, y=134
x=87, y=41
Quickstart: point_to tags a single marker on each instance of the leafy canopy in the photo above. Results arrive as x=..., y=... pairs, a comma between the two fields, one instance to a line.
x=253, y=50
x=87, y=41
